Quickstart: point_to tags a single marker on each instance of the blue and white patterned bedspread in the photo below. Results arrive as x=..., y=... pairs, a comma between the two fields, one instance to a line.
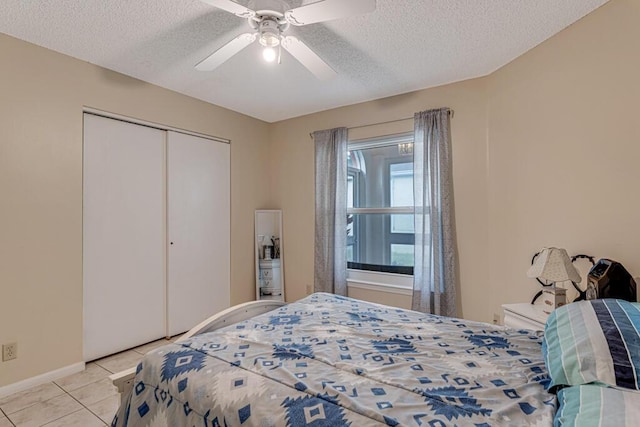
x=331, y=361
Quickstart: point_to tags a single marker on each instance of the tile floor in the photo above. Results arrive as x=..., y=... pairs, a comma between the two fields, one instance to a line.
x=85, y=399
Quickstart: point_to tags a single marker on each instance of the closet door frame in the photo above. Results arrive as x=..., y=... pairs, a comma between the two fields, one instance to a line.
x=165, y=236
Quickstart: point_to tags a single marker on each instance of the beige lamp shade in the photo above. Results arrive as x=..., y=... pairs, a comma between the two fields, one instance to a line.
x=554, y=265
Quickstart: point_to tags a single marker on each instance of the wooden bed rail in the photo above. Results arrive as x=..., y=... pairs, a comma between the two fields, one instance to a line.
x=124, y=380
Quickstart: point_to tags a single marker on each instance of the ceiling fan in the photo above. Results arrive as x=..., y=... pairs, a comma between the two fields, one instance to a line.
x=269, y=19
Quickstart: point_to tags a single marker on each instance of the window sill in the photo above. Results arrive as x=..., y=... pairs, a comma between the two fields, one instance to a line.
x=382, y=282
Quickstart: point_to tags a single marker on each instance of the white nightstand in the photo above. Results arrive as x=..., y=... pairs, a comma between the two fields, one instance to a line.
x=524, y=316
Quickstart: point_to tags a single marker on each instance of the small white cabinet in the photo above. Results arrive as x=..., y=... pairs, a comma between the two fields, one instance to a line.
x=269, y=255
x=524, y=316
x=270, y=283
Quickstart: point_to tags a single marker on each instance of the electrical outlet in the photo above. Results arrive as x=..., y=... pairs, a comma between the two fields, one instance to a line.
x=496, y=319
x=9, y=351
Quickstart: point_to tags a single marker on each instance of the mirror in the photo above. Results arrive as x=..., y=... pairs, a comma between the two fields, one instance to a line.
x=269, y=255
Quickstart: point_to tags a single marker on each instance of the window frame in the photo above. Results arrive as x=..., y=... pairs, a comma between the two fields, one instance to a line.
x=399, y=272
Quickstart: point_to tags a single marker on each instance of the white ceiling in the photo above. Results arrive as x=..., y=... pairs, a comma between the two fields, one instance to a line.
x=405, y=45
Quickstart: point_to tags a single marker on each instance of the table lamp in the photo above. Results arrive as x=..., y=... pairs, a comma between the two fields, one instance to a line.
x=553, y=265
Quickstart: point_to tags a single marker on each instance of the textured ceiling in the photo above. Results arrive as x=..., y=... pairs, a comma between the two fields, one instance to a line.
x=403, y=46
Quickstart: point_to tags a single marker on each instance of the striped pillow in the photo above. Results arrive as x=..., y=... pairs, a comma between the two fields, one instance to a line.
x=593, y=342
x=594, y=406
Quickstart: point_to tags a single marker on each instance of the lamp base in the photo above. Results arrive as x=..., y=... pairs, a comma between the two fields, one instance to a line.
x=553, y=298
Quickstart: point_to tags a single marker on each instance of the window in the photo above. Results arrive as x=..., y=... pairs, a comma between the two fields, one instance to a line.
x=380, y=233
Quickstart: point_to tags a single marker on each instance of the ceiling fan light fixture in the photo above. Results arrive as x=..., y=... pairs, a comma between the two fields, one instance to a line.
x=269, y=33
x=269, y=40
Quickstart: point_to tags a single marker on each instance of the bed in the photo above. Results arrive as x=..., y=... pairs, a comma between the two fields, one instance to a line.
x=328, y=360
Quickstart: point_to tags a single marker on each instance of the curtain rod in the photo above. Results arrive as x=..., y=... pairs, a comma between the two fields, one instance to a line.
x=451, y=113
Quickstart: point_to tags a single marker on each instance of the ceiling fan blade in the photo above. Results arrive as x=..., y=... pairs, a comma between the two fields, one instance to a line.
x=232, y=7
x=216, y=59
x=327, y=10
x=308, y=58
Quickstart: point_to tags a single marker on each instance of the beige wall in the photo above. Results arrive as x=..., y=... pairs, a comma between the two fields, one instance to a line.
x=564, y=150
x=546, y=152
x=381, y=297
x=42, y=94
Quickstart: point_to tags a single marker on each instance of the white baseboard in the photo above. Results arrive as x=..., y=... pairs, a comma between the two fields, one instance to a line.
x=41, y=379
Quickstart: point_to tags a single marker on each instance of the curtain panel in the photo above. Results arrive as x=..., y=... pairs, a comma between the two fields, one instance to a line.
x=435, y=270
x=330, y=255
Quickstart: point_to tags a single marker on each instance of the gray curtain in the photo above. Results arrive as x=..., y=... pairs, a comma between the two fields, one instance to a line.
x=435, y=271
x=330, y=262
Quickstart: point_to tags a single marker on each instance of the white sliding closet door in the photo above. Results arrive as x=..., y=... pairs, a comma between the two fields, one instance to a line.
x=123, y=235
x=198, y=216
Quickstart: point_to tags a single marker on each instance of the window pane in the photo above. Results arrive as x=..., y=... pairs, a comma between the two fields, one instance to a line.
x=349, y=253
x=381, y=177
x=402, y=255
x=371, y=243
x=401, y=177
x=402, y=223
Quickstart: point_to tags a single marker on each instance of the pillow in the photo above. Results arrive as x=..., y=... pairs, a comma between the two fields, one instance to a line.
x=593, y=342
x=591, y=406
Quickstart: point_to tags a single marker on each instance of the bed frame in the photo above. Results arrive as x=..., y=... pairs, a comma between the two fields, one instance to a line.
x=124, y=380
